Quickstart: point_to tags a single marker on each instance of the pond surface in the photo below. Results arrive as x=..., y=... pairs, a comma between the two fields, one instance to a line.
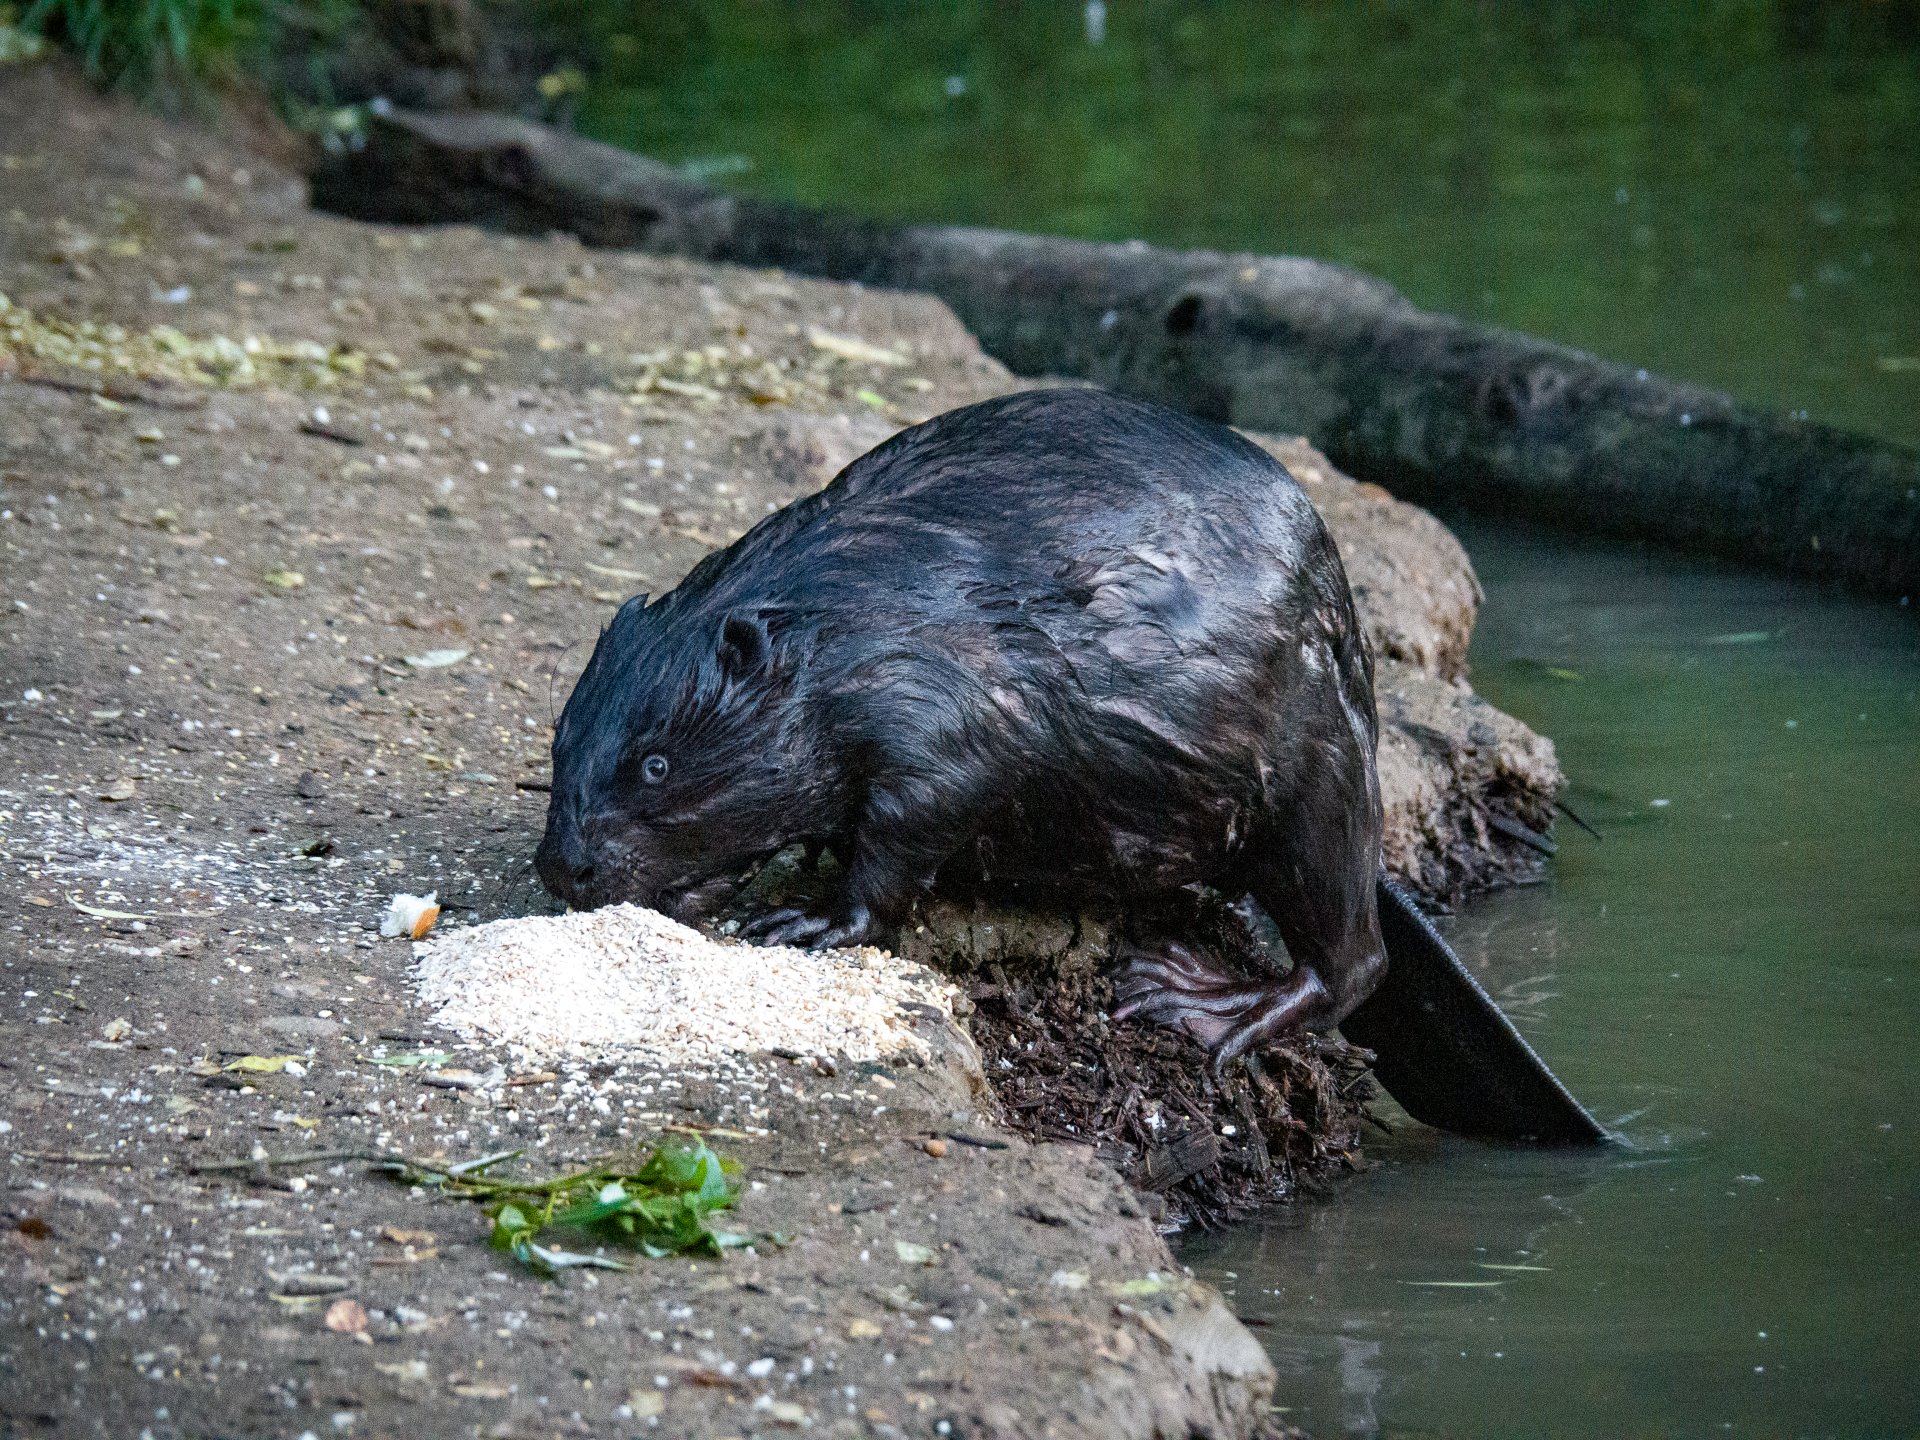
x=1727, y=192
x=1730, y=977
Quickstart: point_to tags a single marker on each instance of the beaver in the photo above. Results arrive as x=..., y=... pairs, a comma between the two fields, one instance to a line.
x=1070, y=648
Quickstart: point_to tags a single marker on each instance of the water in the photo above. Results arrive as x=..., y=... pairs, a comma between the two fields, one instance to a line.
x=1729, y=976
x=1726, y=192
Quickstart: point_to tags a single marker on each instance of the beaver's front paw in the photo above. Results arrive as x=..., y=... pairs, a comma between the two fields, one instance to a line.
x=812, y=932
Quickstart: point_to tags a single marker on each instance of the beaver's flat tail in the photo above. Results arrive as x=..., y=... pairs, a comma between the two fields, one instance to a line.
x=1447, y=1053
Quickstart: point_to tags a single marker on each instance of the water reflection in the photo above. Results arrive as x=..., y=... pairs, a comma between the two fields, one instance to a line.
x=1359, y=1384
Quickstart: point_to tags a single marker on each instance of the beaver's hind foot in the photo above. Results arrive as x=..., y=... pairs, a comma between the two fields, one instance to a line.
x=1231, y=1015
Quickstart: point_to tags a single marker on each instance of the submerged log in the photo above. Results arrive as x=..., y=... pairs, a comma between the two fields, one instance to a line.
x=1433, y=407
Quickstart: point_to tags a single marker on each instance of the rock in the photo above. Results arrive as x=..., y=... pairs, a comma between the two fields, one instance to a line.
x=806, y=451
x=1411, y=579
x=1448, y=761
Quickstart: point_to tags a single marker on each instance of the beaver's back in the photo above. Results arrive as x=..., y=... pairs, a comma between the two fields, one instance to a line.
x=1133, y=514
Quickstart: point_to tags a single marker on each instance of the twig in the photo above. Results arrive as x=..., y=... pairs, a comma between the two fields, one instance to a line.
x=536, y=785
x=158, y=399
x=72, y=1157
x=327, y=432
x=467, y=1178
x=979, y=1142
x=1568, y=811
x=269, y=1162
x=1523, y=834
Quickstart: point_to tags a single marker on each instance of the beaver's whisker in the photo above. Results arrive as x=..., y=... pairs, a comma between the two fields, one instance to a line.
x=553, y=678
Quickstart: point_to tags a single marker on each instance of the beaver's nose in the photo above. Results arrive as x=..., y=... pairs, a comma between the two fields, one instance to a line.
x=565, y=867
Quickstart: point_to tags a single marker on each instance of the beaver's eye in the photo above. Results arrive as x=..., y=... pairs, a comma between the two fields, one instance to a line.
x=653, y=769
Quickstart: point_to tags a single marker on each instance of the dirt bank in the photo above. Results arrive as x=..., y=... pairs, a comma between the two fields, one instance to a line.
x=302, y=525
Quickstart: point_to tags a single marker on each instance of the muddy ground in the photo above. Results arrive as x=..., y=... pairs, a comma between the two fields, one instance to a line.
x=234, y=574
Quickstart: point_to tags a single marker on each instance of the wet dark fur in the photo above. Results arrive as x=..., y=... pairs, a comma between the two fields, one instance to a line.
x=1060, y=643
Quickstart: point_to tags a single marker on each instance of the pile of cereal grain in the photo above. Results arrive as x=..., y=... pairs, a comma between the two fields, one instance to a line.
x=630, y=979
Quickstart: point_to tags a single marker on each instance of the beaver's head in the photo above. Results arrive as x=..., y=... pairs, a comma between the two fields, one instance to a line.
x=679, y=759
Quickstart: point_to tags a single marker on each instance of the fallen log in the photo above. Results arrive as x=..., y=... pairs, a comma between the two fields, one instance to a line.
x=1430, y=406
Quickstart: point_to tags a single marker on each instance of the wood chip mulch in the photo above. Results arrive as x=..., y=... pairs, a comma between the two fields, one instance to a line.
x=1146, y=1098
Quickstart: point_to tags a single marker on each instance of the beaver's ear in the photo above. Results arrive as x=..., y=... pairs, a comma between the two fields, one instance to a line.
x=745, y=646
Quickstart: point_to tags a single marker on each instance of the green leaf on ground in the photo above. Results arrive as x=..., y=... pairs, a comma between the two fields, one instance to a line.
x=661, y=1208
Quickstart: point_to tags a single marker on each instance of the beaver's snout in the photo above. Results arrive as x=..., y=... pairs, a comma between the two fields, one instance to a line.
x=598, y=862
x=566, y=865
